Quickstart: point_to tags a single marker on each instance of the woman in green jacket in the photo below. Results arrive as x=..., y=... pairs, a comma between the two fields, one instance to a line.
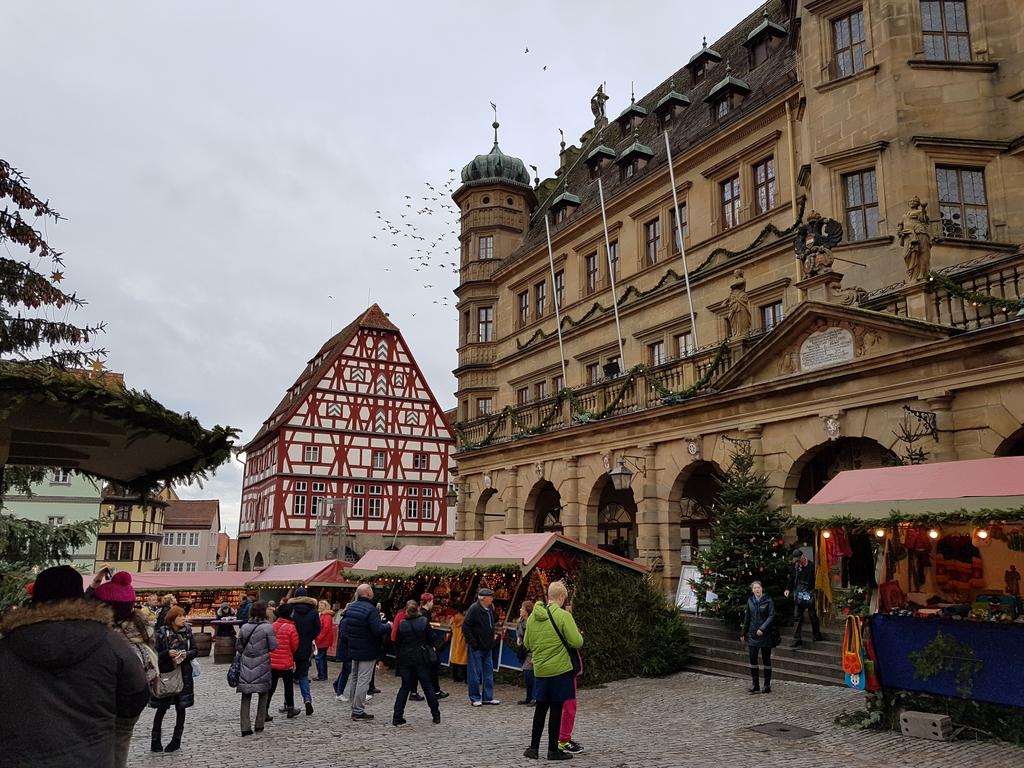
x=548, y=627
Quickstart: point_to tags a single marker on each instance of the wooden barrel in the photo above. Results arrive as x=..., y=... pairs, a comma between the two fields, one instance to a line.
x=204, y=643
x=223, y=650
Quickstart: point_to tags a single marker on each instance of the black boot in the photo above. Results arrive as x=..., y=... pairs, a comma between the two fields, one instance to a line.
x=175, y=743
x=155, y=745
x=756, y=687
x=767, y=680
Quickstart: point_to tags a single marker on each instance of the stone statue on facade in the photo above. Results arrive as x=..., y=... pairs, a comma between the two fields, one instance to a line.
x=597, y=102
x=738, y=306
x=814, y=243
x=916, y=240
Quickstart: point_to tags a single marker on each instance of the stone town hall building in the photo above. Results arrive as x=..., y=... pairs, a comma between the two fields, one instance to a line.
x=806, y=111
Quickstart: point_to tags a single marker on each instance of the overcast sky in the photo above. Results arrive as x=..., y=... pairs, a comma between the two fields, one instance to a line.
x=220, y=165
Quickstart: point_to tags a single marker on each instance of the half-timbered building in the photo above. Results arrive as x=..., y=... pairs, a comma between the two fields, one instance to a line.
x=355, y=456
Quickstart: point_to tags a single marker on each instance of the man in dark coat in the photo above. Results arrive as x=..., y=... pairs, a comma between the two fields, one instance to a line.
x=243, y=610
x=481, y=631
x=362, y=631
x=67, y=676
x=801, y=584
x=307, y=624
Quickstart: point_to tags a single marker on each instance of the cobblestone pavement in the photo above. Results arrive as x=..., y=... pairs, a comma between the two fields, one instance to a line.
x=684, y=720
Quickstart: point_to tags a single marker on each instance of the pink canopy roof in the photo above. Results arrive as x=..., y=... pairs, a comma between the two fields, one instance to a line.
x=943, y=480
x=169, y=581
x=524, y=549
x=301, y=573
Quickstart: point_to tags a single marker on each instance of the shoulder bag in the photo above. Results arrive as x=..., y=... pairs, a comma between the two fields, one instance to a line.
x=235, y=670
x=167, y=684
x=574, y=654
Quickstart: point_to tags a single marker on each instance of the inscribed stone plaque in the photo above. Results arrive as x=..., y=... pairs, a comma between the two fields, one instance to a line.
x=824, y=348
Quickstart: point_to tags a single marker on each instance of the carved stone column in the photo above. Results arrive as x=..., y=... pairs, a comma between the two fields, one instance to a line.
x=465, y=513
x=572, y=514
x=652, y=514
x=514, y=497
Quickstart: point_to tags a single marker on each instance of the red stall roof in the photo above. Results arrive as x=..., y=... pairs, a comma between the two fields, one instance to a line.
x=940, y=487
x=170, y=581
x=526, y=549
x=302, y=573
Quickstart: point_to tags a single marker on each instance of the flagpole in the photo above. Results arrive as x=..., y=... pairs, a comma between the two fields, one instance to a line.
x=611, y=276
x=554, y=296
x=679, y=237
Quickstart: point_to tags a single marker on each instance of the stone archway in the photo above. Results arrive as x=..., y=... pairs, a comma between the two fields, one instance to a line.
x=543, y=508
x=821, y=463
x=489, y=520
x=1013, y=445
x=246, y=562
x=616, y=517
x=257, y=562
x=694, y=495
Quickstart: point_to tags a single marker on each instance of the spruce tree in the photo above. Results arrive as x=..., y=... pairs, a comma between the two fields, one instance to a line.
x=747, y=543
x=34, y=331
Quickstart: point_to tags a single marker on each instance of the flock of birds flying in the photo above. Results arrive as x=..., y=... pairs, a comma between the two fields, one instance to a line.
x=423, y=235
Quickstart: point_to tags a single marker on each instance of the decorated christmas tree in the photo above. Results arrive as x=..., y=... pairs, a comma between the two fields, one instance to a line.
x=746, y=545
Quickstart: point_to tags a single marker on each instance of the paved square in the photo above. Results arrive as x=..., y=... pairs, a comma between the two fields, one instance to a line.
x=684, y=720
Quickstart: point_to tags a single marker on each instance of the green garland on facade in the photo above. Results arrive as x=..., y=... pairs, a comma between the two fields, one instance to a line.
x=581, y=416
x=979, y=518
x=974, y=297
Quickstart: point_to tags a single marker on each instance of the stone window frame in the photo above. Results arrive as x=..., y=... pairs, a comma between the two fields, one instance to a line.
x=769, y=295
x=863, y=207
x=977, y=31
x=484, y=406
x=857, y=159
x=741, y=163
x=826, y=12
x=771, y=182
x=974, y=155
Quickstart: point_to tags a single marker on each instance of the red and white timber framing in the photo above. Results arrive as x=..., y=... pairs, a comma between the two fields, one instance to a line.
x=359, y=424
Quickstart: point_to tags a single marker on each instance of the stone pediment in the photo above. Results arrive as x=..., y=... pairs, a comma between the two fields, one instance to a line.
x=819, y=337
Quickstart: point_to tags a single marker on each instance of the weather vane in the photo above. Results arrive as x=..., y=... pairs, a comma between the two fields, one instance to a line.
x=495, y=123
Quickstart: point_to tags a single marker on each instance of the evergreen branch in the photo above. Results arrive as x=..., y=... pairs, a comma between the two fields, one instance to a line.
x=976, y=298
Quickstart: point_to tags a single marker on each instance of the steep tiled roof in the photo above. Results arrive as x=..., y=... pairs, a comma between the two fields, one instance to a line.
x=192, y=513
x=373, y=317
x=693, y=125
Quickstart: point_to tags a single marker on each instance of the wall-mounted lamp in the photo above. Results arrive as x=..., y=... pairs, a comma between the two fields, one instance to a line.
x=621, y=477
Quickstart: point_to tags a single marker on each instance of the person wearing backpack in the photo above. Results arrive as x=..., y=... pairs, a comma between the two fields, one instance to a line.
x=256, y=641
x=552, y=637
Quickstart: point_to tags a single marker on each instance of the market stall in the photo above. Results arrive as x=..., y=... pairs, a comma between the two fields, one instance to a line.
x=318, y=577
x=516, y=566
x=940, y=585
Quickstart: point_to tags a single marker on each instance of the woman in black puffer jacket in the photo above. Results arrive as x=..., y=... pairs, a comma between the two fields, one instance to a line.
x=174, y=646
x=412, y=644
x=759, y=633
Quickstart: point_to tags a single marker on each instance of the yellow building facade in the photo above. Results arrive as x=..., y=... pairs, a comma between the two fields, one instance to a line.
x=902, y=122
x=132, y=530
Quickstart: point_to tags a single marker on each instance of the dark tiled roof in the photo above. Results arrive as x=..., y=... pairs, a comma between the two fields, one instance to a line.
x=693, y=125
x=374, y=317
x=192, y=513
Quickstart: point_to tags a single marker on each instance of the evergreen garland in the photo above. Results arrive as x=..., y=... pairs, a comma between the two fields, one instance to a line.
x=974, y=297
x=432, y=572
x=747, y=544
x=974, y=518
x=581, y=416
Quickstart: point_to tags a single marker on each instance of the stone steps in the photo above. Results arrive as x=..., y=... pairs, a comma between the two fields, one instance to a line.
x=716, y=650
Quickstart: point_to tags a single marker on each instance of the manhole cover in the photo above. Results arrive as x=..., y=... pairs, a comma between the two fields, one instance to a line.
x=784, y=730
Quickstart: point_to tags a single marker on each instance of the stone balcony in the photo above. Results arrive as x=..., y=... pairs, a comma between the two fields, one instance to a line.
x=483, y=353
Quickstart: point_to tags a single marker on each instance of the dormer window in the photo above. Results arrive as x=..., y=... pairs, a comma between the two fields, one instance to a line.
x=634, y=158
x=727, y=95
x=563, y=206
x=763, y=39
x=701, y=62
x=631, y=117
x=598, y=159
x=669, y=104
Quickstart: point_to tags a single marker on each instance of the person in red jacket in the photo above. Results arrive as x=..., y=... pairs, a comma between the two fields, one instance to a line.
x=282, y=658
x=324, y=639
